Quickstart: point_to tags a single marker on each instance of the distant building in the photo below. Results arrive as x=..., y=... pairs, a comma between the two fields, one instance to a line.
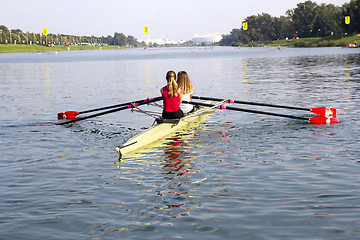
x=210, y=38
x=161, y=41
x=197, y=39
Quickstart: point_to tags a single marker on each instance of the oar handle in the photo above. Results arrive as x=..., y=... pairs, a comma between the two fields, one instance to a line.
x=250, y=103
x=132, y=104
x=247, y=110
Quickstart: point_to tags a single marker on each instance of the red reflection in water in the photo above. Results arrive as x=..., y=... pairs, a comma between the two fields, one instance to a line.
x=176, y=168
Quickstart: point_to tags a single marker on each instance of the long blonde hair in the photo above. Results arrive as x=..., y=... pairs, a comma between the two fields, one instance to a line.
x=172, y=86
x=184, y=83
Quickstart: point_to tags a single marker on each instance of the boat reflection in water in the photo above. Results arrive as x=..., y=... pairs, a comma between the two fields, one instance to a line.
x=181, y=176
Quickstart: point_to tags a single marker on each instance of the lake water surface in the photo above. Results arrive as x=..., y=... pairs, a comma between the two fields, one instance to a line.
x=235, y=176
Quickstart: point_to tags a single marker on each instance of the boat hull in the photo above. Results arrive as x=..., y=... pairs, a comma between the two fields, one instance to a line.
x=161, y=130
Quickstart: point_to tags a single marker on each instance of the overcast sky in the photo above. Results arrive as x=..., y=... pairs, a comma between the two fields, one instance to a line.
x=177, y=20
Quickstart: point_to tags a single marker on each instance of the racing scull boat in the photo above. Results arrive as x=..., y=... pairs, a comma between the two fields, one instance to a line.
x=165, y=127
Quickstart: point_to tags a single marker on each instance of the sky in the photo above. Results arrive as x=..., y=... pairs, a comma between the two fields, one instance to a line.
x=175, y=20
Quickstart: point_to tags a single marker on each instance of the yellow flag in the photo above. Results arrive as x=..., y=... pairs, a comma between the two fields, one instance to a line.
x=146, y=29
x=245, y=26
x=44, y=31
x=347, y=20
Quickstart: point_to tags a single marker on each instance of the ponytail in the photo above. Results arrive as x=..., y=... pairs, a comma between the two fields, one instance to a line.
x=171, y=84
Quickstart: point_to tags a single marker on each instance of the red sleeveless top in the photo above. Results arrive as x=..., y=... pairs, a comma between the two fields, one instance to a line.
x=171, y=104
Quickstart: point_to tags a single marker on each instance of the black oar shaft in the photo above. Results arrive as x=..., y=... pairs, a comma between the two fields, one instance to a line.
x=112, y=106
x=252, y=103
x=111, y=111
x=249, y=110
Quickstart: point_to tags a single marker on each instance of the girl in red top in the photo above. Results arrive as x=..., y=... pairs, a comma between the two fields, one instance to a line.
x=171, y=95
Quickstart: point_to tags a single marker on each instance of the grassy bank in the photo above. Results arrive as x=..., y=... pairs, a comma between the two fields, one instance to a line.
x=12, y=48
x=329, y=41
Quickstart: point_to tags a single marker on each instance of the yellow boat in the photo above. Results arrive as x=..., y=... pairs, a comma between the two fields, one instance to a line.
x=163, y=128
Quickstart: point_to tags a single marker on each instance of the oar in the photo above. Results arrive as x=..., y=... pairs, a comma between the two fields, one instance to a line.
x=323, y=111
x=313, y=119
x=131, y=105
x=73, y=114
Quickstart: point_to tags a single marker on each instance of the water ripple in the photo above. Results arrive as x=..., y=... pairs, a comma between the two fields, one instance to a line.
x=235, y=176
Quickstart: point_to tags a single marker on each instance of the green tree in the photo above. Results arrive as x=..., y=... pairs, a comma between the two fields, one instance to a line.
x=266, y=26
x=120, y=39
x=16, y=36
x=304, y=18
x=64, y=40
x=328, y=20
x=231, y=39
x=132, y=41
x=5, y=34
x=261, y=27
x=31, y=38
x=254, y=31
x=282, y=28
x=109, y=40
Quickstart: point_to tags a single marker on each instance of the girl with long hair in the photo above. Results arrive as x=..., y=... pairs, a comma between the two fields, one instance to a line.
x=171, y=95
x=187, y=90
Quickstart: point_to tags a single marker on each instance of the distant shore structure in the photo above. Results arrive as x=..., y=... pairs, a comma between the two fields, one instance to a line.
x=197, y=39
x=164, y=41
x=209, y=38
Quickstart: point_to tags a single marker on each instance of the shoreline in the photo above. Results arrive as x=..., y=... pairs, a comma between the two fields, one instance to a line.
x=328, y=41
x=23, y=48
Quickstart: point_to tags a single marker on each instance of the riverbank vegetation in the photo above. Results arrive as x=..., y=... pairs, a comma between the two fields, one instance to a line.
x=307, y=25
x=16, y=40
x=328, y=41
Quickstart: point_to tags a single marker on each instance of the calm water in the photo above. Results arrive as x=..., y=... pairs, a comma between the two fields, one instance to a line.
x=236, y=176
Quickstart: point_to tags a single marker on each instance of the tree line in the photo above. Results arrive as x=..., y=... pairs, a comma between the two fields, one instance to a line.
x=17, y=36
x=307, y=20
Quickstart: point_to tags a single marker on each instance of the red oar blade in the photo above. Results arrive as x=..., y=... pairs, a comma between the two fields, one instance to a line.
x=325, y=111
x=68, y=115
x=323, y=120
